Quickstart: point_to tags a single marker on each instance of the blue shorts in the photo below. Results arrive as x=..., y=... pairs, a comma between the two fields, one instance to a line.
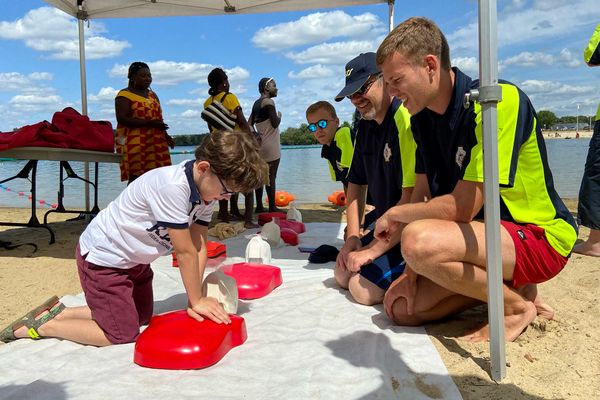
x=386, y=268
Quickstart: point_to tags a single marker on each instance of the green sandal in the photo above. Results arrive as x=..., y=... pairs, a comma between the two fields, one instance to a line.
x=52, y=305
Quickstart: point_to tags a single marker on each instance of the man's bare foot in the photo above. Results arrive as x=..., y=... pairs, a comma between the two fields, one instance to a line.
x=250, y=225
x=530, y=292
x=514, y=325
x=587, y=249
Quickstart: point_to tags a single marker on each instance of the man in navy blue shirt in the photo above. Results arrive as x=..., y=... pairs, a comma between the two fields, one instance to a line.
x=384, y=160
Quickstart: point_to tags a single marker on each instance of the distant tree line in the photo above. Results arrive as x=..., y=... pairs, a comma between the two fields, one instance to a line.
x=547, y=119
x=289, y=137
x=189, y=140
x=300, y=136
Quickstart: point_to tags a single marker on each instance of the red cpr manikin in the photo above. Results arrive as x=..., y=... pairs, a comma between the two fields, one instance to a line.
x=253, y=280
x=268, y=217
x=175, y=340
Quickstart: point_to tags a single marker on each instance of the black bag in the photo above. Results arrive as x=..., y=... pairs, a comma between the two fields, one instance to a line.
x=218, y=116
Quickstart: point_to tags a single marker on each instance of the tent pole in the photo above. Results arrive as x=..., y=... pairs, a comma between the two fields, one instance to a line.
x=488, y=95
x=84, y=109
x=391, y=14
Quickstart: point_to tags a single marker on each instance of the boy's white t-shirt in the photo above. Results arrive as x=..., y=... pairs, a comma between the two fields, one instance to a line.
x=132, y=229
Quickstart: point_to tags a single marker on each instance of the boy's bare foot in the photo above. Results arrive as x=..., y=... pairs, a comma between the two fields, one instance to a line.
x=514, y=325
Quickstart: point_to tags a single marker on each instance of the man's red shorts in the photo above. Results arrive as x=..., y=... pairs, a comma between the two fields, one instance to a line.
x=536, y=261
x=121, y=300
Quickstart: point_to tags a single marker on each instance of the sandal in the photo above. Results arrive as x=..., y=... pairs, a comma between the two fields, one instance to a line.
x=29, y=320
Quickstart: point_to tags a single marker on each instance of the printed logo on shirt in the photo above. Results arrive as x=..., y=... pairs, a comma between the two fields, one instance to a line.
x=460, y=156
x=160, y=235
x=387, y=153
x=521, y=235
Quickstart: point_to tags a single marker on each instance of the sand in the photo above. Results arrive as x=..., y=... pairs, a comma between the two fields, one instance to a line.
x=558, y=359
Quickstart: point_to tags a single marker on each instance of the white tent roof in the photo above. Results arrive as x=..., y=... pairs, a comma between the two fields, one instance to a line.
x=93, y=9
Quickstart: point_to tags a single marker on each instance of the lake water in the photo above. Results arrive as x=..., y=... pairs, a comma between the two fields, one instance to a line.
x=302, y=172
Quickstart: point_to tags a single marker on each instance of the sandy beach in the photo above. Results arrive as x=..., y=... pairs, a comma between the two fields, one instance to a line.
x=555, y=359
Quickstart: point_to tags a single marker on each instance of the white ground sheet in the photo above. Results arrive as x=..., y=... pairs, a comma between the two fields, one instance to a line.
x=306, y=340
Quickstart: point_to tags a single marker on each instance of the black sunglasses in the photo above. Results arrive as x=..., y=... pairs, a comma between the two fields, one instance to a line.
x=322, y=123
x=225, y=190
x=365, y=88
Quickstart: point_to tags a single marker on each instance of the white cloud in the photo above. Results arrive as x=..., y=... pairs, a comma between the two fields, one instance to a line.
x=314, y=72
x=546, y=20
x=170, y=73
x=12, y=81
x=317, y=27
x=17, y=82
x=533, y=87
x=191, y=114
x=332, y=53
x=468, y=65
x=39, y=104
x=52, y=31
x=105, y=94
x=41, y=76
x=185, y=102
x=533, y=59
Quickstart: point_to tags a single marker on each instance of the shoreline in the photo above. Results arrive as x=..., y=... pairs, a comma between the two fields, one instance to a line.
x=551, y=359
x=556, y=134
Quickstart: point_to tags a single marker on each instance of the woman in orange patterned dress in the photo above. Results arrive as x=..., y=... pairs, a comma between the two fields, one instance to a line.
x=141, y=136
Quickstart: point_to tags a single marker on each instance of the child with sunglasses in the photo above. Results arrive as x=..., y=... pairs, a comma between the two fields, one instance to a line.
x=338, y=144
x=165, y=209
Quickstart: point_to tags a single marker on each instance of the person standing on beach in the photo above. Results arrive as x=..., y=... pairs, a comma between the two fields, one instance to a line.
x=588, y=210
x=443, y=239
x=218, y=83
x=266, y=119
x=384, y=160
x=141, y=137
x=165, y=209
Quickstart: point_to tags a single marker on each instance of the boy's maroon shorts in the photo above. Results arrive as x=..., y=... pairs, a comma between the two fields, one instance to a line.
x=536, y=261
x=121, y=300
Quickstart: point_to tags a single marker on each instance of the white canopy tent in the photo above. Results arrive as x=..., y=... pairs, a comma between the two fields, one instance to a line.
x=488, y=95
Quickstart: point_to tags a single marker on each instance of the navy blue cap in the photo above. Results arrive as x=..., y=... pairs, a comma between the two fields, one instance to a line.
x=358, y=71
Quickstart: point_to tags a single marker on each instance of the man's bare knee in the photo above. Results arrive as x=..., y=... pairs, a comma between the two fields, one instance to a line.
x=365, y=292
x=342, y=278
x=416, y=244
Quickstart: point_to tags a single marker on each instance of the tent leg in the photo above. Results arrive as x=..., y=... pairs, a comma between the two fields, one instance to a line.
x=84, y=109
x=489, y=95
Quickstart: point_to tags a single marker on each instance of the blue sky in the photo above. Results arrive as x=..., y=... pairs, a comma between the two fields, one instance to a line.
x=540, y=48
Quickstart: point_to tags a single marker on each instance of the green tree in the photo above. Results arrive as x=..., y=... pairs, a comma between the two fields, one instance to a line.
x=547, y=119
x=297, y=136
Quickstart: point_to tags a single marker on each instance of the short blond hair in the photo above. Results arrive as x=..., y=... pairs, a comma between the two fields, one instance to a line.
x=234, y=157
x=321, y=105
x=414, y=39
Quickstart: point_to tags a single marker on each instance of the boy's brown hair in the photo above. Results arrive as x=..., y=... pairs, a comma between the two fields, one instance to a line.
x=321, y=105
x=234, y=157
x=414, y=39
